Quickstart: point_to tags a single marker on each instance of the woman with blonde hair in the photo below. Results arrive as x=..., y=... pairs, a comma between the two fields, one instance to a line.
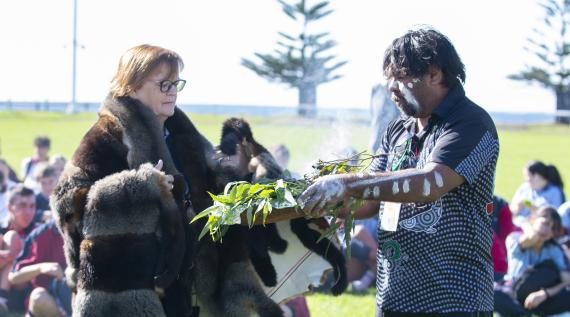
x=123, y=201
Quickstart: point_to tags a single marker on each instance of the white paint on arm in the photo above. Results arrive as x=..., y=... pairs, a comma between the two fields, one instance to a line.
x=427, y=187
x=395, y=188
x=438, y=179
x=366, y=193
x=376, y=191
x=406, y=186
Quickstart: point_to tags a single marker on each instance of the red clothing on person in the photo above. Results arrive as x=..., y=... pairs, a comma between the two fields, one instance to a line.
x=44, y=244
x=503, y=228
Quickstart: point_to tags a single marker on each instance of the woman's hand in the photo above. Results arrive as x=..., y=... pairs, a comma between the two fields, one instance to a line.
x=167, y=180
x=534, y=299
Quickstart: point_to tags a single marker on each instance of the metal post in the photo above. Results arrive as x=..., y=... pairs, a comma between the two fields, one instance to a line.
x=72, y=106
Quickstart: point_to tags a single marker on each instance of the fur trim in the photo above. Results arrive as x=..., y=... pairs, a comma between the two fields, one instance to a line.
x=143, y=303
x=125, y=203
x=142, y=134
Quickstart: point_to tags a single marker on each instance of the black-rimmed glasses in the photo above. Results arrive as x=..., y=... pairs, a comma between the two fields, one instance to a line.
x=166, y=85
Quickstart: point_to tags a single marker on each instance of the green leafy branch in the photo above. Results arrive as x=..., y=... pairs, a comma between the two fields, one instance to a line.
x=259, y=200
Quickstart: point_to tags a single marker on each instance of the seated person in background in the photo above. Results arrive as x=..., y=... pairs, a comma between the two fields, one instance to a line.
x=21, y=205
x=535, y=246
x=282, y=156
x=502, y=223
x=42, y=264
x=543, y=186
x=58, y=162
x=46, y=177
x=41, y=154
x=5, y=167
x=564, y=212
x=5, y=184
x=361, y=267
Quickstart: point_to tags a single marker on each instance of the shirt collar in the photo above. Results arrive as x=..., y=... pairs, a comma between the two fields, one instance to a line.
x=451, y=99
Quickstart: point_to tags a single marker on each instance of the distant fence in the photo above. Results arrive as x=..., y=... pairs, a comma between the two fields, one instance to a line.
x=358, y=114
x=353, y=114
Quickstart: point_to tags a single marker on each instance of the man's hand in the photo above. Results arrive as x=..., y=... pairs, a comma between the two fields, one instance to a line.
x=167, y=180
x=534, y=299
x=326, y=193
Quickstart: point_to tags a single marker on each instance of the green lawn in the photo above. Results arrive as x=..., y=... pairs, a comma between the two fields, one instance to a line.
x=307, y=140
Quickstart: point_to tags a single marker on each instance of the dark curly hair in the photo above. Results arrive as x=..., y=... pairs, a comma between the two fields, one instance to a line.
x=415, y=51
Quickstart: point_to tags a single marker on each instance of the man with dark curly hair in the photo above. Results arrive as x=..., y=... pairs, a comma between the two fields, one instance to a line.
x=432, y=187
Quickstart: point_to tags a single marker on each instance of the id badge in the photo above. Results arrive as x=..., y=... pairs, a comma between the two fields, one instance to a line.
x=390, y=216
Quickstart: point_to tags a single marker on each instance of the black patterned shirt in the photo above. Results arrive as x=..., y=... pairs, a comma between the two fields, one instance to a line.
x=438, y=259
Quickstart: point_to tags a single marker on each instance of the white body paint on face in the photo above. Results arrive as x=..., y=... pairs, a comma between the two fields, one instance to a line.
x=427, y=187
x=366, y=193
x=376, y=191
x=406, y=186
x=438, y=179
x=395, y=188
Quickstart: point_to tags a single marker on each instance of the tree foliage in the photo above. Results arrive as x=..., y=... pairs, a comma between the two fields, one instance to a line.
x=300, y=61
x=550, y=46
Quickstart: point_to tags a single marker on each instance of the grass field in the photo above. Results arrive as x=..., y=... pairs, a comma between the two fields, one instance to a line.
x=307, y=140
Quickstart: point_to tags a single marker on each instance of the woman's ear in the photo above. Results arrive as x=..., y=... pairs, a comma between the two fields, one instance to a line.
x=132, y=93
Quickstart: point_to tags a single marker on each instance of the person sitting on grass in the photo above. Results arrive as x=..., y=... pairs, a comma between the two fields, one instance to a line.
x=543, y=187
x=5, y=184
x=21, y=205
x=41, y=154
x=538, y=270
x=41, y=265
x=46, y=177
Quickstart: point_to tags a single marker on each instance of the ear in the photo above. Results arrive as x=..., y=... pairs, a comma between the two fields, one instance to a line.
x=133, y=94
x=435, y=76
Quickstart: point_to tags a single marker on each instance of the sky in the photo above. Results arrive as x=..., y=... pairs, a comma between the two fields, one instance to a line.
x=212, y=36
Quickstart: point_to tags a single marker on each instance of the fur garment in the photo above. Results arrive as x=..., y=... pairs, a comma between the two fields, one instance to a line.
x=124, y=229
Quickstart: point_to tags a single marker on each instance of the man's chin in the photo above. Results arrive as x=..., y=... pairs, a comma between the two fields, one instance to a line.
x=407, y=111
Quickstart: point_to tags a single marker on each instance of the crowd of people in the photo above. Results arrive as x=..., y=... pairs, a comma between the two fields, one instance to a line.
x=530, y=246
x=32, y=263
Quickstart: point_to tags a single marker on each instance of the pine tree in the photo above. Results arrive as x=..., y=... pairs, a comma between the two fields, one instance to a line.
x=300, y=61
x=551, y=47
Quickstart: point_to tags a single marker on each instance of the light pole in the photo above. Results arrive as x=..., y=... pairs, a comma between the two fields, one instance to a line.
x=71, y=108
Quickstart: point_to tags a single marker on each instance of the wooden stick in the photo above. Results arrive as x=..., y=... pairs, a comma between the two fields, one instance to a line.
x=276, y=215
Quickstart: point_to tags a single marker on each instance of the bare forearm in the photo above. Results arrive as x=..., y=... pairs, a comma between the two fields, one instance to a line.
x=554, y=290
x=411, y=185
x=25, y=274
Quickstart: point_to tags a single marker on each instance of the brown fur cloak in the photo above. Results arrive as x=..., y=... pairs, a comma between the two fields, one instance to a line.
x=125, y=233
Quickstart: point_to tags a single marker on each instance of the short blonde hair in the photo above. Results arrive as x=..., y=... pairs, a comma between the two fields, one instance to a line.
x=138, y=63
